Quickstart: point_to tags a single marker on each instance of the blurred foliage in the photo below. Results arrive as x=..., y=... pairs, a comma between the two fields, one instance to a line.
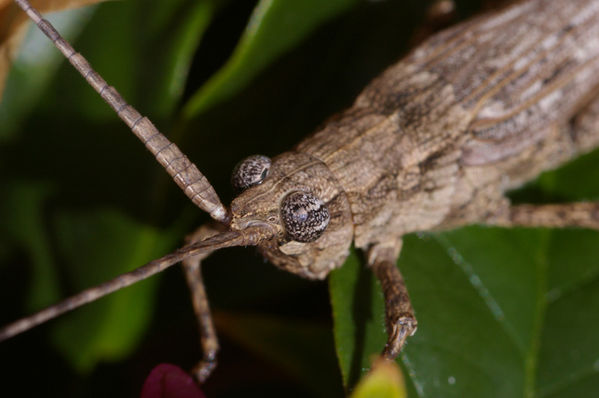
x=501, y=312
x=383, y=381
x=273, y=28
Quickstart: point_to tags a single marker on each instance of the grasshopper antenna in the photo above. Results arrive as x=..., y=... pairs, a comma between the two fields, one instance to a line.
x=193, y=183
x=181, y=169
x=248, y=237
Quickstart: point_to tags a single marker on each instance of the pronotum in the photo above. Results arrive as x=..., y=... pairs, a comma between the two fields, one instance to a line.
x=432, y=144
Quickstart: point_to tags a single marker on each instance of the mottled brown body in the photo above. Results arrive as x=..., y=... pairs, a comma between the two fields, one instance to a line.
x=433, y=143
x=478, y=109
x=481, y=108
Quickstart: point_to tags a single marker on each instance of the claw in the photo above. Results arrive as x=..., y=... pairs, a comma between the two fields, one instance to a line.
x=402, y=329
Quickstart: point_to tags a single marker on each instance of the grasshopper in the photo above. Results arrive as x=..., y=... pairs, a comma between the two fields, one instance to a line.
x=432, y=144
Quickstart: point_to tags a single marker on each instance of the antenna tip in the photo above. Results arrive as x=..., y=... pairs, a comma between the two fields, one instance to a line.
x=220, y=214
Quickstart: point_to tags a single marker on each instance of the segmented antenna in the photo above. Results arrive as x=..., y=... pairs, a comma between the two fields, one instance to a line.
x=182, y=170
x=225, y=239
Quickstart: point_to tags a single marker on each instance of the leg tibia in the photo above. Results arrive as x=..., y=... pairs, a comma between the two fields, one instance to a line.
x=399, y=314
x=201, y=307
x=579, y=214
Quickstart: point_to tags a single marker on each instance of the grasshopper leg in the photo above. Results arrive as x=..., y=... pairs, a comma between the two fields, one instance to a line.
x=578, y=214
x=399, y=314
x=201, y=307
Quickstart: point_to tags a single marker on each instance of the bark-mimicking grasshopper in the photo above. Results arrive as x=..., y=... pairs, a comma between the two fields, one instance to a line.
x=431, y=144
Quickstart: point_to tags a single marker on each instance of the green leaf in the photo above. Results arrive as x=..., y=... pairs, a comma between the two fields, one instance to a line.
x=98, y=246
x=149, y=48
x=574, y=181
x=22, y=209
x=502, y=312
x=359, y=317
x=274, y=27
x=177, y=27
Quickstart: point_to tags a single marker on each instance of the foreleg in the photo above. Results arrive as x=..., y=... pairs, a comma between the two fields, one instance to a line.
x=201, y=307
x=399, y=314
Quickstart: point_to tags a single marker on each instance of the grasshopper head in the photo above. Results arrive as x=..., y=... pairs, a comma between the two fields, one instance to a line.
x=300, y=201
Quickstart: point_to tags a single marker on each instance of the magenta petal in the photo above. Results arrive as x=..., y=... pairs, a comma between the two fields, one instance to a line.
x=170, y=381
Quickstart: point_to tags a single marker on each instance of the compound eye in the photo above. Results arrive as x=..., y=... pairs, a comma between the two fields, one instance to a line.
x=250, y=171
x=304, y=216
